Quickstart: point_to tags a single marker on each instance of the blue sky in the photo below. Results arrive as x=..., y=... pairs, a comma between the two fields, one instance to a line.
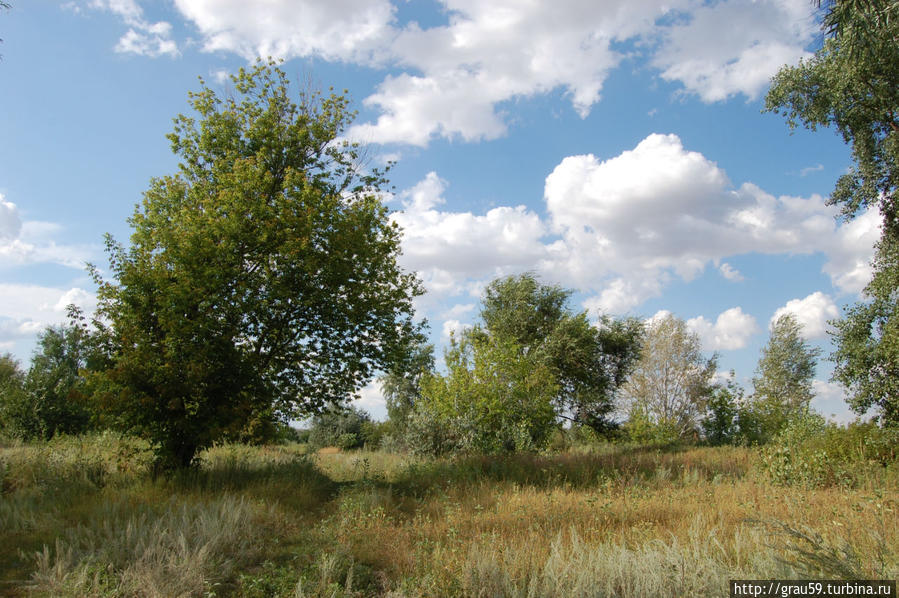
x=618, y=148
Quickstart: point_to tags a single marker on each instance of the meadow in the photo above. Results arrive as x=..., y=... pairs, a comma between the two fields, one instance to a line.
x=84, y=516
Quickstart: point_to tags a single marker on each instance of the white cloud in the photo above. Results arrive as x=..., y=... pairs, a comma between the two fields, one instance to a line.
x=28, y=309
x=621, y=229
x=630, y=223
x=491, y=52
x=450, y=80
x=810, y=169
x=453, y=328
x=620, y=295
x=143, y=37
x=371, y=399
x=830, y=401
x=731, y=330
x=730, y=273
x=459, y=310
x=448, y=247
x=345, y=30
x=812, y=313
x=852, y=251
x=734, y=47
x=10, y=223
x=30, y=242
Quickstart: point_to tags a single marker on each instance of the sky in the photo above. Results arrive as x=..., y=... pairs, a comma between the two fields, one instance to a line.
x=617, y=148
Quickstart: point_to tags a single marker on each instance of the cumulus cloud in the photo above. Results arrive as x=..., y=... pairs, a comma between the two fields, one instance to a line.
x=27, y=309
x=450, y=80
x=30, y=242
x=730, y=273
x=731, y=330
x=623, y=228
x=453, y=328
x=660, y=210
x=346, y=30
x=830, y=401
x=143, y=37
x=448, y=247
x=10, y=223
x=716, y=59
x=853, y=250
x=812, y=313
x=371, y=399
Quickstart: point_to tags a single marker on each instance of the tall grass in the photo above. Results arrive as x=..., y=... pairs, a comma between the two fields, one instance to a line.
x=85, y=517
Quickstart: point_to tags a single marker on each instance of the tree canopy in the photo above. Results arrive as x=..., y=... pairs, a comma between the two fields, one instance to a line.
x=850, y=84
x=588, y=362
x=783, y=381
x=261, y=276
x=672, y=381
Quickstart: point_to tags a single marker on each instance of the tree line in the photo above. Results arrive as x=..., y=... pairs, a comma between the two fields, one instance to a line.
x=261, y=284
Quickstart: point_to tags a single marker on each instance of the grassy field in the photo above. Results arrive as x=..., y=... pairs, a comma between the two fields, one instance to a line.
x=84, y=517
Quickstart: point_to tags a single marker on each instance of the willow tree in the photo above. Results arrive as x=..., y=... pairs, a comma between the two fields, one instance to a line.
x=261, y=279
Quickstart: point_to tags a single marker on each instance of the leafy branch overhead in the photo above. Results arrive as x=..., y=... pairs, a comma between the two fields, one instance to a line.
x=850, y=84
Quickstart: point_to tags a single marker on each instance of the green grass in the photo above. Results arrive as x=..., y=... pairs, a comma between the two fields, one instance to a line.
x=85, y=517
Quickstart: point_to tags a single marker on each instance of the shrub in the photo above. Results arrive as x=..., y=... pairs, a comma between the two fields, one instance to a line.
x=495, y=398
x=341, y=427
x=811, y=452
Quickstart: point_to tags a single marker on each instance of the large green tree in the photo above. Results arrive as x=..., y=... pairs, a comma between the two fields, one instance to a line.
x=851, y=84
x=261, y=276
x=588, y=362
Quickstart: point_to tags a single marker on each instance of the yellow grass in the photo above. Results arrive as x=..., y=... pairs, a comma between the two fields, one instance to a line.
x=83, y=516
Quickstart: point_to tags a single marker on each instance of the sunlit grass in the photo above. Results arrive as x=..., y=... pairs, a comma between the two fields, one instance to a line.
x=85, y=517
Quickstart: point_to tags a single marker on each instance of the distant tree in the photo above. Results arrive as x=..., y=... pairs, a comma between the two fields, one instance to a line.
x=494, y=398
x=672, y=381
x=783, y=381
x=49, y=400
x=588, y=362
x=401, y=384
x=343, y=427
x=262, y=276
x=721, y=425
x=850, y=84
x=12, y=379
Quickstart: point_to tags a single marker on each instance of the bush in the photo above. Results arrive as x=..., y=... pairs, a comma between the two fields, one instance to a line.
x=813, y=453
x=643, y=429
x=340, y=427
x=48, y=400
x=495, y=398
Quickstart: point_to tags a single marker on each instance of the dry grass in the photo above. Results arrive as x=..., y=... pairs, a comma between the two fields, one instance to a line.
x=84, y=517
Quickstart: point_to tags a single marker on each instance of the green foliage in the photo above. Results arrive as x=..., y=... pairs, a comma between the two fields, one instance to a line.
x=867, y=339
x=672, y=381
x=644, y=427
x=494, y=398
x=401, y=385
x=12, y=380
x=341, y=427
x=813, y=453
x=49, y=400
x=721, y=424
x=850, y=84
x=261, y=277
x=783, y=381
x=588, y=363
